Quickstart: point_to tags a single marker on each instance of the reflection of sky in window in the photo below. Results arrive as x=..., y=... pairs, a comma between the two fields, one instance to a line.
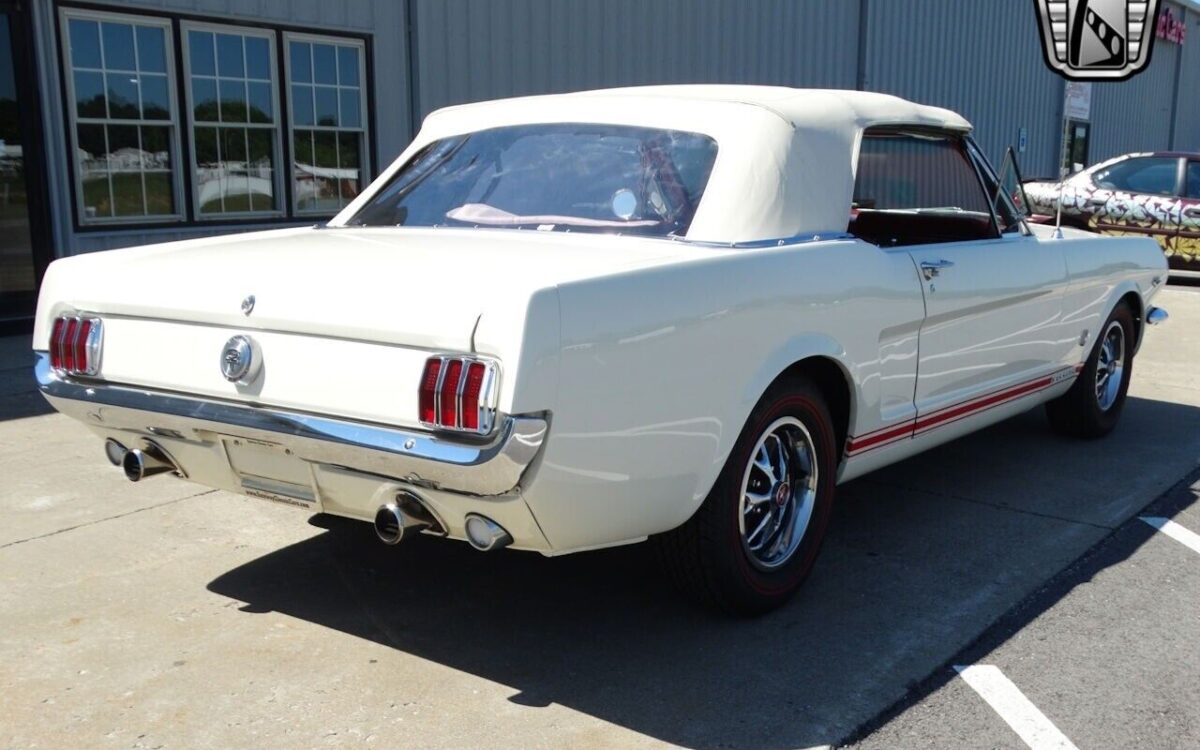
x=8, y=86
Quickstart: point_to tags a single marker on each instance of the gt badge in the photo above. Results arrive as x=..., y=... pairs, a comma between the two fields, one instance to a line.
x=1097, y=40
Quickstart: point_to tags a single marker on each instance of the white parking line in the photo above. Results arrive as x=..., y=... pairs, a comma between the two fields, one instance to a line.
x=1184, y=536
x=1007, y=700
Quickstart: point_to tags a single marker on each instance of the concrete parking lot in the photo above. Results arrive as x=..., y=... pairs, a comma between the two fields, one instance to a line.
x=164, y=615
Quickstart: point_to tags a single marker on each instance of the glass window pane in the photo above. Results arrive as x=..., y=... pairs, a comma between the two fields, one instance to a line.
x=1192, y=184
x=122, y=95
x=156, y=104
x=260, y=101
x=200, y=48
x=233, y=101
x=229, y=56
x=302, y=105
x=303, y=181
x=210, y=172
x=1152, y=175
x=258, y=58
x=93, y=171
x=325, y=151
x=160, y=199
x=125, y=164
x=118, y=46
x=204, y=92
x=301, y=61
x=151, y=50
x=85, y=43
x=156, y=156
x=324, y=63
x=206, y=147
x=349, y=169
x=236, y=189
x=261, y=170
x=351, y=111
x=347, y=66
x=89, y=95
x=156, y=148
x=327, y=106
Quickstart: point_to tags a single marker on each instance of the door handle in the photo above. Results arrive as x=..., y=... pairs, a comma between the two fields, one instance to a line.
x=932, y=268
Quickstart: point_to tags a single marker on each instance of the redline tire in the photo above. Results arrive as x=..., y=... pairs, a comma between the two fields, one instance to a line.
x=709, y=557
x=1080, y=412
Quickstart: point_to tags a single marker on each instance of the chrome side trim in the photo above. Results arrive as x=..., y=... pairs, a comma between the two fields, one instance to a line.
x=775, y=242
x=422, y=459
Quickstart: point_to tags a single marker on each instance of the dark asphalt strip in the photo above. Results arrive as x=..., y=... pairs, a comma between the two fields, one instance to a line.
x=1112, y=550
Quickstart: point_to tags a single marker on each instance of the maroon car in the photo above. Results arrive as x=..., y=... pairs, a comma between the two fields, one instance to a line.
x=1154, y=194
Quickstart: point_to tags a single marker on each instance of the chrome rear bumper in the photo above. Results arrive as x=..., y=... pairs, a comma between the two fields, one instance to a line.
x=422, y=459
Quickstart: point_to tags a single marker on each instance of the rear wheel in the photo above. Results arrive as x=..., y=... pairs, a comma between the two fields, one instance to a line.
x=756, y=537
x=1093, y=406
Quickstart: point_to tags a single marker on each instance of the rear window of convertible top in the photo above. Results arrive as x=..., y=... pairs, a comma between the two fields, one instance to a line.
x=558, y=177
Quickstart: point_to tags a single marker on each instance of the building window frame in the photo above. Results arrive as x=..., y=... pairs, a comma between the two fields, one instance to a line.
x=187, y=215
x=72, y=119
x=276, y=125
x=365, y=148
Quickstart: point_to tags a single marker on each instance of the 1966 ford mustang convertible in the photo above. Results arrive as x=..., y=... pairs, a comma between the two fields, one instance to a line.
x=567, y=322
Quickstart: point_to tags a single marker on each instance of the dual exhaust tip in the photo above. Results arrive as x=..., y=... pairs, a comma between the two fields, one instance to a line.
x=407, y=516
x=140, y=463
x=404, y=517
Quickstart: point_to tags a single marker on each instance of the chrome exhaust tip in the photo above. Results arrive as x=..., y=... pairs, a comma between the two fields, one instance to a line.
x=396, y=521
x=115, y=452
x=486, y=535
x=141, y=463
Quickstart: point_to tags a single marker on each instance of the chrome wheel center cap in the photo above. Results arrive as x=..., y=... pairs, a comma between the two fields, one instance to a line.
x=782, y=494
x=1112, y=367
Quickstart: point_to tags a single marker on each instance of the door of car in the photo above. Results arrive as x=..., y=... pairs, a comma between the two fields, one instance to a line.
x=993, y=292
x=1138, y=196
x=1187, y=241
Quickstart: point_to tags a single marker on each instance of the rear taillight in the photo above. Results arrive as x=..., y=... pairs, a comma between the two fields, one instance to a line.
x=459, y=393
x=75, y=344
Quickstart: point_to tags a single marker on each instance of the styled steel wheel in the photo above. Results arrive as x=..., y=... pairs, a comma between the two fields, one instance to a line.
x=1110, y=366
x=778, y=494
x=1093, y=405
x=754, y=540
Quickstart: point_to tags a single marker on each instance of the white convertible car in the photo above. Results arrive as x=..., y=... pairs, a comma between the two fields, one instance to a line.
x=567, y=322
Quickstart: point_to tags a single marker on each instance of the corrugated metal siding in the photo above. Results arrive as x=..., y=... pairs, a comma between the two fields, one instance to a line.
x=390, y=128
x=1187, y=115
x=1135, y=115
x=983, y=60
x=482, y=49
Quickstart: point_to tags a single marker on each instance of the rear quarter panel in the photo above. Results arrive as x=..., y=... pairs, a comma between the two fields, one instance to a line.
x=1101, y=271
x=660, y=368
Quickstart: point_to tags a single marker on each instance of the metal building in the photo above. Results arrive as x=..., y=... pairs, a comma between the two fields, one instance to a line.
x=136, y=121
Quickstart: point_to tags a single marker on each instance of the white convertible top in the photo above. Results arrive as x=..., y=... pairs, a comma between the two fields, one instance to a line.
x=786, y=157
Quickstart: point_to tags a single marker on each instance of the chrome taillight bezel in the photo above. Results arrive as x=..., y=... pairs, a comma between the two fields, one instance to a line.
x=93, y=344
x=489, y=393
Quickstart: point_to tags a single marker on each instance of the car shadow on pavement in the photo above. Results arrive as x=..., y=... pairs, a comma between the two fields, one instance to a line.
x=921, y=559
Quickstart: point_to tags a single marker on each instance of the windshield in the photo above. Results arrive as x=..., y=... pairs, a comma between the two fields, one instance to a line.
x=564, y=177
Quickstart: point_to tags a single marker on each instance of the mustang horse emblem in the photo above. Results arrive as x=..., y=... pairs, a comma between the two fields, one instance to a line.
x=239, y=360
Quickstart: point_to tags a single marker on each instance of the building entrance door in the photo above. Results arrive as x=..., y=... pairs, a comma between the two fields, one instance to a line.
x=1075, y=155
x=24, y=241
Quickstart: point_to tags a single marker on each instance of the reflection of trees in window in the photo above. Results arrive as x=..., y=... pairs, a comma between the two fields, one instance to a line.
x=122, y=117
x=234, y=123
x=329, y=132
